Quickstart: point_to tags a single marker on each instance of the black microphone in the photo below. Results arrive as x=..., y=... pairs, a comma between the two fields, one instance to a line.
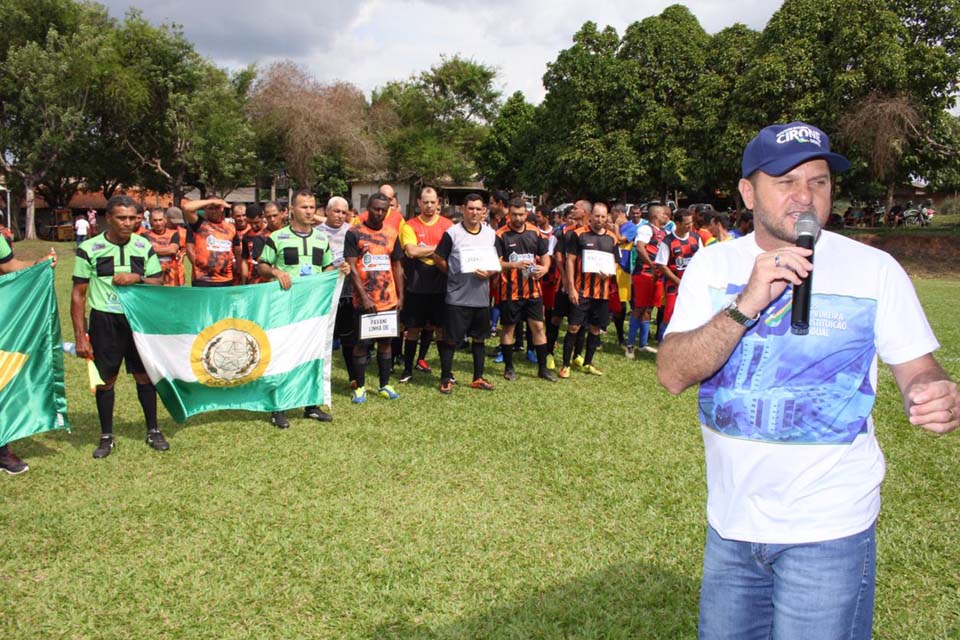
x=808, y=228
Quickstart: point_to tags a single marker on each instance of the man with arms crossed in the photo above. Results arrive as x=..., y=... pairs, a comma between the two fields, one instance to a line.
x=793, y=464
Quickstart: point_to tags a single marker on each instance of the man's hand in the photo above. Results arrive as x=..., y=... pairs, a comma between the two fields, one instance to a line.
x=772, y=273
x=84, y=348
x=283, y=278
x=367, y=302
x=483, y=275
x=344, y=268
x=574, y=297
x=539, y=271
x=934, y=406
x=124, y=279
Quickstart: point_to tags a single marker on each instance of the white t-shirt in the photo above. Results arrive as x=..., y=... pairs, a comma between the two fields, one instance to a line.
x=787, y=428
x=81, y=226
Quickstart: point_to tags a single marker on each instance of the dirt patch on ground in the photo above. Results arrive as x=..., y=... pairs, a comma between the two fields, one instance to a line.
x=925, y=256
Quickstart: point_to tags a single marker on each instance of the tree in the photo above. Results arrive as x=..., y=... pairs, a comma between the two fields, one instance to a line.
x=44, y=92
x=509, y=143
x=305, y=119
x=433, y=124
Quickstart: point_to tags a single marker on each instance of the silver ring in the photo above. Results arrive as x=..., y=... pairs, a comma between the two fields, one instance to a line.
x=776, y=259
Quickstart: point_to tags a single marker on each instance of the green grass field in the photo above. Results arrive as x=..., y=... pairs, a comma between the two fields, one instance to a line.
x=567, y=511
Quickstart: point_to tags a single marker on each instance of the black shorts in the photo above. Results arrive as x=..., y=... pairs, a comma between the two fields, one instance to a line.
x=594, y=312
x=423, y=309
x=461, y=322
x=514, y=311
x=112, y=341
x=561, y=305
x=357, y=314
x=343, y=325
x=207, y=283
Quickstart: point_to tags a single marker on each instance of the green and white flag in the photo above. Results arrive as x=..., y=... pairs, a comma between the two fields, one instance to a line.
x=254, y=347
x=32, y=392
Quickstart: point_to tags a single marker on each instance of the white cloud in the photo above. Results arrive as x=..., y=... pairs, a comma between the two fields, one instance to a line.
x=372, y=42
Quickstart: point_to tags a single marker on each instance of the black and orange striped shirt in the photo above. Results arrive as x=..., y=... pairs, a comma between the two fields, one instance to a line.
x=590, y=285
x=512, y=246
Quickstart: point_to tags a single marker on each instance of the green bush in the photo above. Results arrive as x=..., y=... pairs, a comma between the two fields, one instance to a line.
x=950, y=206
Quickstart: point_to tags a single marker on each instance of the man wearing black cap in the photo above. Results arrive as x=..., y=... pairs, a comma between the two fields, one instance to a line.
x=793, y=464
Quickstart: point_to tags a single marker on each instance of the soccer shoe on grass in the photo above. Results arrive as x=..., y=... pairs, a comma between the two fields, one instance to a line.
x=509, y=374
x=388, y=392
x=499, y=357
x=649, y=349
x=564, y=372
x=531, y=356
x=628, y=351
x=406, y=377
x=551, y=362
x=592, y=370
x=423, y=366
x=316, y=413
x=481, y=384
x=156, y=440
x=104, y=447
x=279, y=420
x=578, y=361
x=547, y=375
x=13, y=465
x=446, y=387
x=359, y=395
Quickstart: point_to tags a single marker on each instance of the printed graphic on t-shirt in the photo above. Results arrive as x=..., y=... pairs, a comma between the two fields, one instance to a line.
x=782, y=388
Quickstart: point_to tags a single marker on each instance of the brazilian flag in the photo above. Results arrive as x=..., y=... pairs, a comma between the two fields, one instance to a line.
x=32, y=397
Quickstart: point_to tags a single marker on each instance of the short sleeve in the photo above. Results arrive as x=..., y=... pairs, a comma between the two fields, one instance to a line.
x=543, y=247
x=81, y=266
x=269, y=253
x=498, y=243
x=694, y=302
x=445, y=248
x=6, y=253
x=571, y=243
x=351, y=245
x=397, y=254
x=327, y=256
x=644, y=234
x=407, y=234
x=901, y=328
x=152, y=269
x=175, y=238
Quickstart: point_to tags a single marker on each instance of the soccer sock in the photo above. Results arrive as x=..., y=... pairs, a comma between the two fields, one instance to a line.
x=494, y=318
x=426, y=336
x=635, y=326
x=644, y=332
x=360, y=369
x=568, y=343
x=580, y=337
x=346, y=348
x=147, y=395
x=384, y=365
x=105, y=399
x=396, y=347
x=479, y=354
x=507, y=350
x=553, y=332
x=409, y=355
x=593, y=341
x=446, y=360
x=618, y=319
x=541, y=350
x=518, y=336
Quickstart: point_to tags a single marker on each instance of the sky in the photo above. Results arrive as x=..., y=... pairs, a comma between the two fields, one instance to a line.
x=371, y=42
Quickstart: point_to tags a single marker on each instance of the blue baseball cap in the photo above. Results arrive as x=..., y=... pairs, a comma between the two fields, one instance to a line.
x=780, y=147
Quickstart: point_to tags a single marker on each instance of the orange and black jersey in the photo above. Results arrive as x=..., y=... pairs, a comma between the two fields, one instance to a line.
x=512, y=246
x=375, y=251
x=213, y=244
x=251, y=246
x=679, y=253
x=172, y=265
x=590, y=285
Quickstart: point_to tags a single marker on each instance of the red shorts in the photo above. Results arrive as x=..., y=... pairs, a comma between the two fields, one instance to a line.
x=614, y=300
x=647, y=291
x=668, y=308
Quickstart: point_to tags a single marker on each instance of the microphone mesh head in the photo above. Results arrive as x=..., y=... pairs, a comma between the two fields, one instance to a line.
x=807, y=225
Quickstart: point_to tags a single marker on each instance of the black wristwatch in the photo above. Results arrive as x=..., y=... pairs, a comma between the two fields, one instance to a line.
x=738, y=316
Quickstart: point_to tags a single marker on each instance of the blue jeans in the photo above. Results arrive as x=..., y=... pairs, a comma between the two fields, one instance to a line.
x=816, y=591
